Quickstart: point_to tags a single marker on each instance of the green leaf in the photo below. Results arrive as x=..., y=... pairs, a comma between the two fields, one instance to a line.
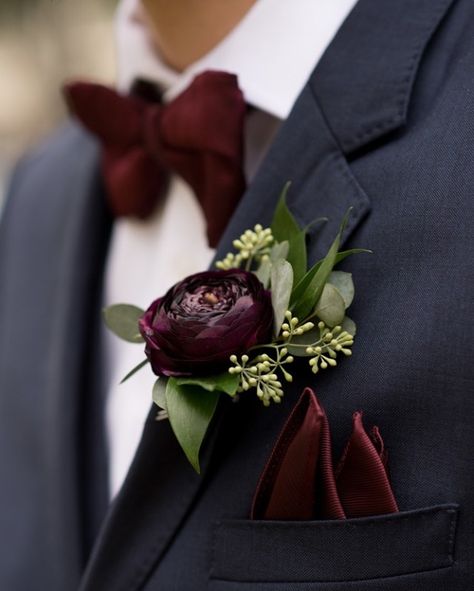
x=342, y=281
x=159, y=393
x=263, y=272
x=279, y=251
x=315, y=288
x=284, y=225
x=223, y=382
x=330, y=308
x=190, y=410
x=122, y=320
x=286, y=228
x=349, y=325
x=281, y=286
x=297, y=255
x=303, y=284
x=134, y=370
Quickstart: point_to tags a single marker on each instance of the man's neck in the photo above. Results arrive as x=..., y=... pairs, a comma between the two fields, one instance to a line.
x=185, y=30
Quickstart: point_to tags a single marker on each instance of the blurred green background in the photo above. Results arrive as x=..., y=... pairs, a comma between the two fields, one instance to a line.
x=43, y=43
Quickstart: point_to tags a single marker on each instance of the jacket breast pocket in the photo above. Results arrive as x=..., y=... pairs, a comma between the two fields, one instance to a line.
x=251, y=554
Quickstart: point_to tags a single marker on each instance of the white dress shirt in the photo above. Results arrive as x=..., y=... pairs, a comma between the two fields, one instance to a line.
x=272, y=50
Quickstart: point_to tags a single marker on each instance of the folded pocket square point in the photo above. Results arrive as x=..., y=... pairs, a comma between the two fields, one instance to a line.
x=299, y=481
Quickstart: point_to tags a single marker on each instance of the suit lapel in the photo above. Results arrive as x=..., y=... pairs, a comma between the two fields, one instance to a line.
x=351, y=92
x=364, y=83
x=322, y=183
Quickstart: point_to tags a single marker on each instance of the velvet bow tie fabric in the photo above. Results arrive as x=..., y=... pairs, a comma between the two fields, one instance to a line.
x=300, y=482
x=198, y=136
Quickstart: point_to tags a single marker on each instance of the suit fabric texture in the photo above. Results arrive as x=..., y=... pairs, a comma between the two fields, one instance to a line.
x=385, y=124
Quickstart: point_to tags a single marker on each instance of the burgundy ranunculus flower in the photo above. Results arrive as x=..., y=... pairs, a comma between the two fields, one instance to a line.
x=203, y=320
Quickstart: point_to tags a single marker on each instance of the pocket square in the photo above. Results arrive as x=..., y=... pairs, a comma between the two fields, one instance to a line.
x=299, y=481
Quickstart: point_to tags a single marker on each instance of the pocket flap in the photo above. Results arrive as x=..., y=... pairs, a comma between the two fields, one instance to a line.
x=324, y=551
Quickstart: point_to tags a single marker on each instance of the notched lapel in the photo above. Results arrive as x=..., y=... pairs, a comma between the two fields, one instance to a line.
x=364, y=82
x=306, y=153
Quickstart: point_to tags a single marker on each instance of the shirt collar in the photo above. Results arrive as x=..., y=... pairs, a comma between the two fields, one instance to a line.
x=273, y=51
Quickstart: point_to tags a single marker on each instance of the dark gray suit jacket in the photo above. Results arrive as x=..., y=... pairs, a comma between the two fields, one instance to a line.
x=386, y=125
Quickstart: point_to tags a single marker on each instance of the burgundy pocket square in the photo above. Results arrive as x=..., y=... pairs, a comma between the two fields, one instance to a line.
x=299, y=481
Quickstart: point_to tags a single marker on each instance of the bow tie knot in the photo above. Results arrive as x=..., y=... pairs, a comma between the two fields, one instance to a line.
x=198, y=136
x=152, y=134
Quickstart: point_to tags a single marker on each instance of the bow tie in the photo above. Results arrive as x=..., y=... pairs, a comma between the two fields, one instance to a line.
x=199, y=136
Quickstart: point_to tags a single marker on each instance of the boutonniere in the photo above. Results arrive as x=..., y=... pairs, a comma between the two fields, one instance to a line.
x=241, y=327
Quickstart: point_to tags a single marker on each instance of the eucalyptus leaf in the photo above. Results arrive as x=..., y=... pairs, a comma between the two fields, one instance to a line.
x=134, y=370
x=282, y=284
x=331, y=307
x=349, y=325
x=122, y=320
x=344, y=284
x=190, y=410
x=279, y=251
x=223, y=382
x=159, y=393
x=263, y=272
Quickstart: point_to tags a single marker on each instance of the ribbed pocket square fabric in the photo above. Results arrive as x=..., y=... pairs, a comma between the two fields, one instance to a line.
x=300, y=482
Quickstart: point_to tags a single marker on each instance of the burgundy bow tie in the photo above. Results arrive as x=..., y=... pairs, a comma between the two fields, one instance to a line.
x=199, y=136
